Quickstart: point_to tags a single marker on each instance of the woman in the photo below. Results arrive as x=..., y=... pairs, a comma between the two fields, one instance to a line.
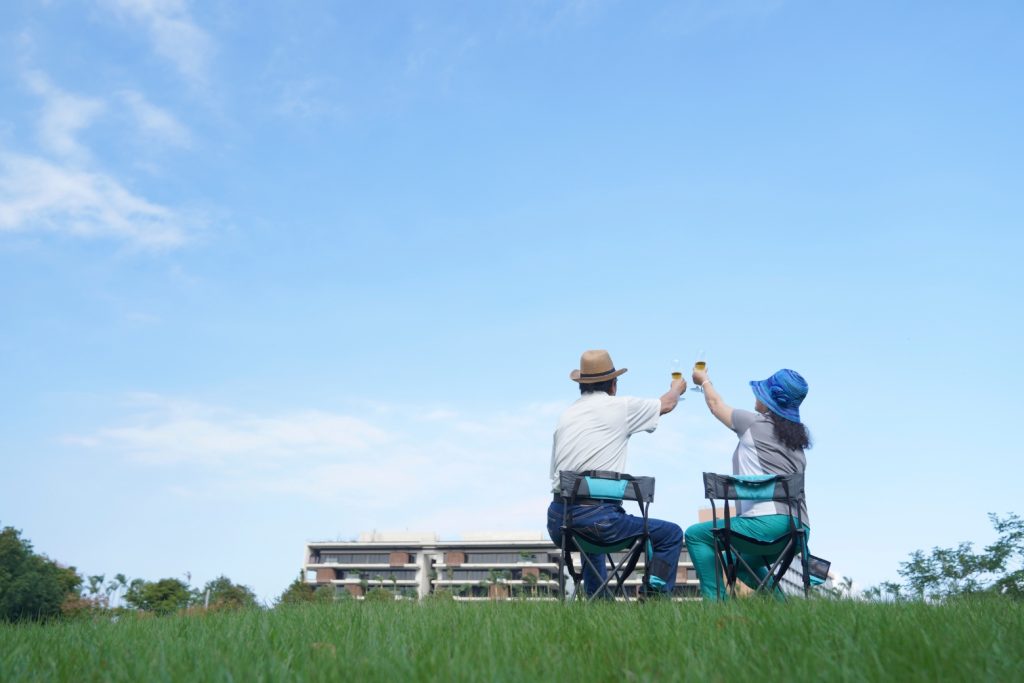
x=771, y=441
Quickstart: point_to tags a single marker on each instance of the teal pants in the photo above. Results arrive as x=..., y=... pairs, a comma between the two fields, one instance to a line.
x=701, y=547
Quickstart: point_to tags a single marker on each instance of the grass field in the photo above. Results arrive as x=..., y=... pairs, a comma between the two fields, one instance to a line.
x=528, y=641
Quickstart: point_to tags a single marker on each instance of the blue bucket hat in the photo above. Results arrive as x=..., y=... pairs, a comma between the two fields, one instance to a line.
x=783, y=393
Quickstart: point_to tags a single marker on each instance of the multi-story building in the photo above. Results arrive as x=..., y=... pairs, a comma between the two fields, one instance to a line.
x=480, y=566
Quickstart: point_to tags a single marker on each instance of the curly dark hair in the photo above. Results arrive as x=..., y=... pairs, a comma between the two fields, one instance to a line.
x=793, y=435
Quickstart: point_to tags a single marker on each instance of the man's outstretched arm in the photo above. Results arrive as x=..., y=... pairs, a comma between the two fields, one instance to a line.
x=671, y=397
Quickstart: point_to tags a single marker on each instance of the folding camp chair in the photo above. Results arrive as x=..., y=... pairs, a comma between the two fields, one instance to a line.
x=595, y=486
x=788, y=489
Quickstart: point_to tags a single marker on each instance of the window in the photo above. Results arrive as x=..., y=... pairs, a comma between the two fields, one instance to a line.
x=374, y=576
x=470, y=575
x=354, y=558
x=492, y=558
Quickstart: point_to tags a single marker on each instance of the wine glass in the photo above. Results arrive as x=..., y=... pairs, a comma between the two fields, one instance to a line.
x=677, y=369
x=677, y=372
x=701, y=363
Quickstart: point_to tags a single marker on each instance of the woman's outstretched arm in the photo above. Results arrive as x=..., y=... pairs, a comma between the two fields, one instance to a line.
x=716, y=405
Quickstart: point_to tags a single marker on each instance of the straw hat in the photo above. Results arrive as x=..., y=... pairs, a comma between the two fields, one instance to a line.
x=595, y=366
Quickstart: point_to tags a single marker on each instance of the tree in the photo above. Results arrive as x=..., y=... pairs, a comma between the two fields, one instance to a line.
x=225, y=595
x=379, y=594
x=951, y=572
x=161, y=597
x=440, y=595
x=546, y=578
x=531, y=582
x=1007, y=553
x=297, y=592
x=95, y=587
x=31, y=586
x=118, y=585
x=324, y=593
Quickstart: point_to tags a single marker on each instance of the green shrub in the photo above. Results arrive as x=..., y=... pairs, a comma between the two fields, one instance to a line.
x=31, y=586
x=380, y=595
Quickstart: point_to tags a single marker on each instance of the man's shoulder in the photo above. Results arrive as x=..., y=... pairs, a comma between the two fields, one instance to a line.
x=637, y=400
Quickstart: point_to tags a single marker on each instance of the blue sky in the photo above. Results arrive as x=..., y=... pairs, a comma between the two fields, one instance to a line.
x=275, y=272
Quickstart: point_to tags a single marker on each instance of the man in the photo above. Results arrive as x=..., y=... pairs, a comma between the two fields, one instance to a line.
x=592, y=434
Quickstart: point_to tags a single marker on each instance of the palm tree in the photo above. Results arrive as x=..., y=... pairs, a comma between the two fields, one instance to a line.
x=120, y=585
x=531, y=581
x=95, y=586
x=545, y=577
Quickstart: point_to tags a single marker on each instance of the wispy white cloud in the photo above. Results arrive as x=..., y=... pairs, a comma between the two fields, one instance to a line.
x=64, y=115
x=38, y=195
x=174, y=34
x=442, y=470
x=322, y=456
x=156, y=124
x=169, y=431
x=62, y=194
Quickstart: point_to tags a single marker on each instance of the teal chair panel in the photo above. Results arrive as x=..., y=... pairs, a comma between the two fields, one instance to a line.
x=606, y=488
x=755, y=486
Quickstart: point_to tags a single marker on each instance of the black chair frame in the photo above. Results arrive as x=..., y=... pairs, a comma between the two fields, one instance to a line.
x=788, y=489
x=573, y=487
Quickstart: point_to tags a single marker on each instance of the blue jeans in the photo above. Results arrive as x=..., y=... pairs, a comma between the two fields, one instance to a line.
x=608, y=524
x=701, y=546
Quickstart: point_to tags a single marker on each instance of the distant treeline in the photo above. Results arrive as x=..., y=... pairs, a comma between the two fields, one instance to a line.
x=34, y=587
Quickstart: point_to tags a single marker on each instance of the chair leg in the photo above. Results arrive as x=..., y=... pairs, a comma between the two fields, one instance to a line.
x=619, y=572
x=565, y=547
x=561, y=581
x=718, y=569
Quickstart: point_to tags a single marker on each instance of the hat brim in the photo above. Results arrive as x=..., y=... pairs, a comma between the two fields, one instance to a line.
x=575, y=376
x=760, y=388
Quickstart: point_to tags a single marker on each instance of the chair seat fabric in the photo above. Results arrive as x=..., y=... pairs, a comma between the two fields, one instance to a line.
x=596, y=548
x=758, y=546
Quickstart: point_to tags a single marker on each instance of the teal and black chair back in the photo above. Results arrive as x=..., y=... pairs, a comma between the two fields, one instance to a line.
x=595, y=487
x=730, y=544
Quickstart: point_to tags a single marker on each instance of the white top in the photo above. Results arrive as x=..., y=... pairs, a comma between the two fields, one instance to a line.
x=593, y=432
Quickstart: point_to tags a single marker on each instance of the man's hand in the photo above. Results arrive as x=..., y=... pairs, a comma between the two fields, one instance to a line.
x=700, y=376
x=671, y=397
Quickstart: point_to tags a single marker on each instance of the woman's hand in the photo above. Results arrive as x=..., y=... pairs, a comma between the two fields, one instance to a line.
x=719, y=408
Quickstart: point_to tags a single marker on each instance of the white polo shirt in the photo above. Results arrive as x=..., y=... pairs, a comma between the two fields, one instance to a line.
x=593, y=432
